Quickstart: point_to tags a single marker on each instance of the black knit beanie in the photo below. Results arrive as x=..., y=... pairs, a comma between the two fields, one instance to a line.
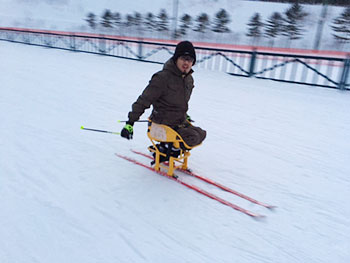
x=184, y=48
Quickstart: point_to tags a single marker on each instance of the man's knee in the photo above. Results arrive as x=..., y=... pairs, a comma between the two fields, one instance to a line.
x=194, y=136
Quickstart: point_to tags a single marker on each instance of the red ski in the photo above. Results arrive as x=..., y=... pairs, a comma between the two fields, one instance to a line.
x=209, y=181
x=195, y=188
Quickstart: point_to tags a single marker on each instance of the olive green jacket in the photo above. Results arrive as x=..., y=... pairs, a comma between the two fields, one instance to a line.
x=168, y=91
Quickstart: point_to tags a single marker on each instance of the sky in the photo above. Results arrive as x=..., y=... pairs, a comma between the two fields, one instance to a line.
x=66, y=197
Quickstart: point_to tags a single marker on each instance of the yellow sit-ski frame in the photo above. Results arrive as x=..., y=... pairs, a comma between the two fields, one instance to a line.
x=162, y=133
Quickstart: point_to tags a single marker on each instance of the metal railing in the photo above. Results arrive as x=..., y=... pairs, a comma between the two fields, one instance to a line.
x=310, y=70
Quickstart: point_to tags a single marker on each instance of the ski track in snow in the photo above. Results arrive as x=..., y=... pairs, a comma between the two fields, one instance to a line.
x=67, y=198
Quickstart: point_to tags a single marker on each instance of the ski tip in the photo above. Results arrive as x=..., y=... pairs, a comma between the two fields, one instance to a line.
x=259, y=217
x=271, y=207
x=82, y=127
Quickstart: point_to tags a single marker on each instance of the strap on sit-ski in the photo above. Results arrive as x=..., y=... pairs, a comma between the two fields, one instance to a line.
x=168, y=152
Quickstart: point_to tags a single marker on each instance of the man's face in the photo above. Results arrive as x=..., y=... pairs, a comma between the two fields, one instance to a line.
x=184, y=63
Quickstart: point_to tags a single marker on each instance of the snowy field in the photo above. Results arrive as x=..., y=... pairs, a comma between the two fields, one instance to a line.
x=65, y=196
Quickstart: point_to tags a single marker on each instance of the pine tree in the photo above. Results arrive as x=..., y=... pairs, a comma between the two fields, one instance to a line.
x=294, y=16
x=274, y=27
x=186, y=22
x=222, y=18
x=116, y=19
x=129, y=20
x=150, y=23
x=341, y=25
x=163, y=21
x=202, y=23
x=91, y=19
x=137, y=19
x=254, y=27
x=107, y=19
x=330, y=2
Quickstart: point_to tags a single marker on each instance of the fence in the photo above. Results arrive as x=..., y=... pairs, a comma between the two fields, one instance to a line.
x=310, y=70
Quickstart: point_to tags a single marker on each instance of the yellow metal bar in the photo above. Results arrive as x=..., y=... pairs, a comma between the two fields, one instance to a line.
x=171, y=166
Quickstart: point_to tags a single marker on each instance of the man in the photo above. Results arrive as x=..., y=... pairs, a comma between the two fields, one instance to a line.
x=168, y=92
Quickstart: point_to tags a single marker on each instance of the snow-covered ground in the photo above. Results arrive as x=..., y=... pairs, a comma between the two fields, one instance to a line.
x=65, y=196
x=69, y=15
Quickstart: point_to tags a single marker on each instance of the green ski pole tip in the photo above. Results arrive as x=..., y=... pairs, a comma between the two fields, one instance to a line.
x=82, y=127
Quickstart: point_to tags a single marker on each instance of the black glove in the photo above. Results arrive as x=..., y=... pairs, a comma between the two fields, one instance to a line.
x=127, y=131
x=188, y=118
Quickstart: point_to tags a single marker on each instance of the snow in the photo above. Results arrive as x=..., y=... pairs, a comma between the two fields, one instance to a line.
x=65, y=196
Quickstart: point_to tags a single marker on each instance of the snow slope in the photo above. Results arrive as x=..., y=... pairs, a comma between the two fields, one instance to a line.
x=65, y=196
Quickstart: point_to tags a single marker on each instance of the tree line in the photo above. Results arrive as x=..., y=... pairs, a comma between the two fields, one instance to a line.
x=161, y=22
x=291, y=25
x=329, y=2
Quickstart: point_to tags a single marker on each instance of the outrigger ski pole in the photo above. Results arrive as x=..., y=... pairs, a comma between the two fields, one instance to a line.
x=136, y=121
x=88, y=129
x=111, y=132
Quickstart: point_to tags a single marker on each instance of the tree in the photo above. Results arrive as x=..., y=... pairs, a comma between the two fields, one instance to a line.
x=186, y=22
x=137, y=19
x=222, y=18
x=129, y=20
x=254, y=27
x=330, y=2
x=163, y=21
x=107, y=19
x=202, y=23
x=91, y=19
x=341, y=25
x=274, y=27
x=294, y=16
x=116, y=19
x=150, y=22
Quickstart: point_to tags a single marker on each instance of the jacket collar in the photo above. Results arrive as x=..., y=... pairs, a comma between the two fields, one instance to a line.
x=171, y=66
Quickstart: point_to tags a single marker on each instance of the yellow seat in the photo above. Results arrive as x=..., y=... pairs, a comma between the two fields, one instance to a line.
x=162, y=133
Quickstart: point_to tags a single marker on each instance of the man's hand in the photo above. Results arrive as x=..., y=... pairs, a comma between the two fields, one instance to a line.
x=188, y=118
x=128, y=131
